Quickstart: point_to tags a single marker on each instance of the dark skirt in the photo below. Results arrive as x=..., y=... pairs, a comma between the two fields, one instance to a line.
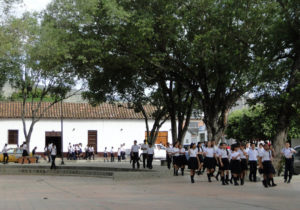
x=210, y=162
x=176, y=160
x=268, y=168
x=193, y=163
x=201, y=159
x=244, y=165
x=182, y=161
x=225, y=162
x=25, y=153
x=235, y=166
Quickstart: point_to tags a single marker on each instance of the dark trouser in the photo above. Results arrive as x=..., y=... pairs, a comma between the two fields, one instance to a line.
x=119, y=158
x=49, y=157
x=5, y=156
x=253, y=169
x=69, y=156
x=92, y=155
x=169, y=160
x=144, y=159
x=135, y=159
x=123, y=155
x=289, y=168
x=53, y=162
x=149, y=161
x=112, y=157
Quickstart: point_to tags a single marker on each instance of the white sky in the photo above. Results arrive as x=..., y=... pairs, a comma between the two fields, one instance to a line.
x=32, y=6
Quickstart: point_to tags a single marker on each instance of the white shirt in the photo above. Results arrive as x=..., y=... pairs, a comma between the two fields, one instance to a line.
x=182, y=151
x=53, y=151
x=252, y=153
x=288, y=152
x=266, y=155
x=260, y=150
x=169, y=150
x=144, y=148
x=70, y=148
x=150, y=150
x=193, y=152
x=209, y=152
x=24, y=146
x=242, y=156
x=105, y=151
x=91, y=149
x=4, y=149
x=135, y=148
x=119, y=152
x=235, y=155
x=176, y=151
x=223, y=153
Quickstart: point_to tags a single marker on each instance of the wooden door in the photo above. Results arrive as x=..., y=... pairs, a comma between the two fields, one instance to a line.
x=162, y=137
x=92, y=139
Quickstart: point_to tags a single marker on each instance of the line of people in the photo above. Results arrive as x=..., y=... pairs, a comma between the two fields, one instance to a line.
x=232, y=161
x=147, y=154
x=75, y=152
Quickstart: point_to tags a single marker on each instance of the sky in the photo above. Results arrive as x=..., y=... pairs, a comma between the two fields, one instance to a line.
x=32, y=5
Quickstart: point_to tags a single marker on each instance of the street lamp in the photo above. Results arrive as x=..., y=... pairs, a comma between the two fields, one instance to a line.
x=62, y=132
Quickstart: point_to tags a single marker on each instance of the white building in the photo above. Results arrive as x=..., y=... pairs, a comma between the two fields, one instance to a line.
x=102, y=126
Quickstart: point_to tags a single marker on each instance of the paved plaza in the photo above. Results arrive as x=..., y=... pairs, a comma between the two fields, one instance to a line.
x=163, y=192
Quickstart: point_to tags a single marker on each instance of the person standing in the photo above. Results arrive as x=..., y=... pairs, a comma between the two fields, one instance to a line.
x=92, y=152
x=252, y=157
x=144, y=148
x=169, y=155
x=244, y=164
x=53, y=156
x=112, y=155
x=25, y=152
x=176, y=163
x=33, y=154
x=265, y=163
x=235, y=163
x=5, y=154
x=182, y=159
x=135, y=154
x=49, y=152
x=200, y=157
x=69, y=157
x=210, y=154
x=193, y=161
x=150, y=154
x=105, y=155
x=223, y=155
x=288, y=152
x=123, y=151
x=119, y=154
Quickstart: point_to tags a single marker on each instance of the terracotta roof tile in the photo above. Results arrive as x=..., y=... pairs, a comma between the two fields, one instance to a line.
x=73, y=111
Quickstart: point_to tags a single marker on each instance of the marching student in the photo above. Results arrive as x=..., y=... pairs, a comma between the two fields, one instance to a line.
x=252, y=159
x=119, y=154
x=144, y=148
x=210, y=154
x=169, y=155
x=235, y=163
x=69, y=156
x=288, y=152
x=244, y=164
x=224, y=163
x=25, y=152
x=217, y=163
x=135, y=154
x=200, y=157
x=105, y=155
x=53, y=156
x=150, y=154
x=5, y=155
x=112, y=155
x=175, y=153
x=92, y=152
x=265, y=163
x=193, y=161
x=182, y=159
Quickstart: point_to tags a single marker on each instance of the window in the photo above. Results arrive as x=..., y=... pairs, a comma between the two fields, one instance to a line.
x=13, y=136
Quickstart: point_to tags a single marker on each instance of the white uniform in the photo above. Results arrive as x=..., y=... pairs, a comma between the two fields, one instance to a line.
x=252, y=154
x=266, y=155
x=236, y=155
x=193, y=152
x=288, y=152
x=150, y=150
x=175, y=151
x=209, y=152
x=144, y=148
x=135, y=148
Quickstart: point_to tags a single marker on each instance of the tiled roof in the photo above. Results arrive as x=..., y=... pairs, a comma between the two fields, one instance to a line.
x=73, y=111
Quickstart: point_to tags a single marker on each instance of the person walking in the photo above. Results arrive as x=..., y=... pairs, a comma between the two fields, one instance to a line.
x=144, y=148
x=265, y=163
x=112, y=155
x=53, y=153
x=150, y=154
x=5, y=154
x=105, y=155
x=193, y=161
x=135, y=154
x=252, y=159
x=210, y=154
x=288, y=152
x=169, y=155
x=25, y=152
x=223, y=156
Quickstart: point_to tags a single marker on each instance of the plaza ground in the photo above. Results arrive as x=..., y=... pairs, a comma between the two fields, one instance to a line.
x=166, y=192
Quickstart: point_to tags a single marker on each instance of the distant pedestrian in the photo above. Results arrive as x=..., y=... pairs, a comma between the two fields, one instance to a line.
x=25, y=152
x=252, y=157
x=69, y=156
x=119, y=154
x=49, y=152
x=105, y=154
x=150, y=155
x=5, y=154
x=288, y=152
x=112, y=155
x=193, y=161
x=144, y=148
x=53, y=156
x=135, y=154
x=92, y=152
x=169, y=155
x=33, y=154
x=123, y=151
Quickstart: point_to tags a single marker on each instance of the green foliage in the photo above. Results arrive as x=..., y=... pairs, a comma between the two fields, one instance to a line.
x=256, y=123
x=32, y=96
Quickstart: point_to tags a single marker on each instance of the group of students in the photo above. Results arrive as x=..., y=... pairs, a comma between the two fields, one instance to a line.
x=75, y=152
x=147, y=154
x=234, y=159
x=120, y=154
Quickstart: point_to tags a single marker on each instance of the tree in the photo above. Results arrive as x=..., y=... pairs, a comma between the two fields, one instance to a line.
x=39, y=75
x=281, y=94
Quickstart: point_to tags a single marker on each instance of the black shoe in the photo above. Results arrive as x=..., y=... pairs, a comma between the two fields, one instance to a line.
x=289, y=181
x=192, y=179
x=264, y=182
x=242, y=181
x=273, y=185
x=285, y=180
x=230, y=181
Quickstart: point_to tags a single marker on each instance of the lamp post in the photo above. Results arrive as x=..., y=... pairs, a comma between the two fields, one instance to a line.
x=62, y=132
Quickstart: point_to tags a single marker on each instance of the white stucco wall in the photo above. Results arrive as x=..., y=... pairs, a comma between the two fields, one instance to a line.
x=110, y=132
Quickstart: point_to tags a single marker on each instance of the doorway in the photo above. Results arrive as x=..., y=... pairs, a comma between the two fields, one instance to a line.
x=55, y=138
